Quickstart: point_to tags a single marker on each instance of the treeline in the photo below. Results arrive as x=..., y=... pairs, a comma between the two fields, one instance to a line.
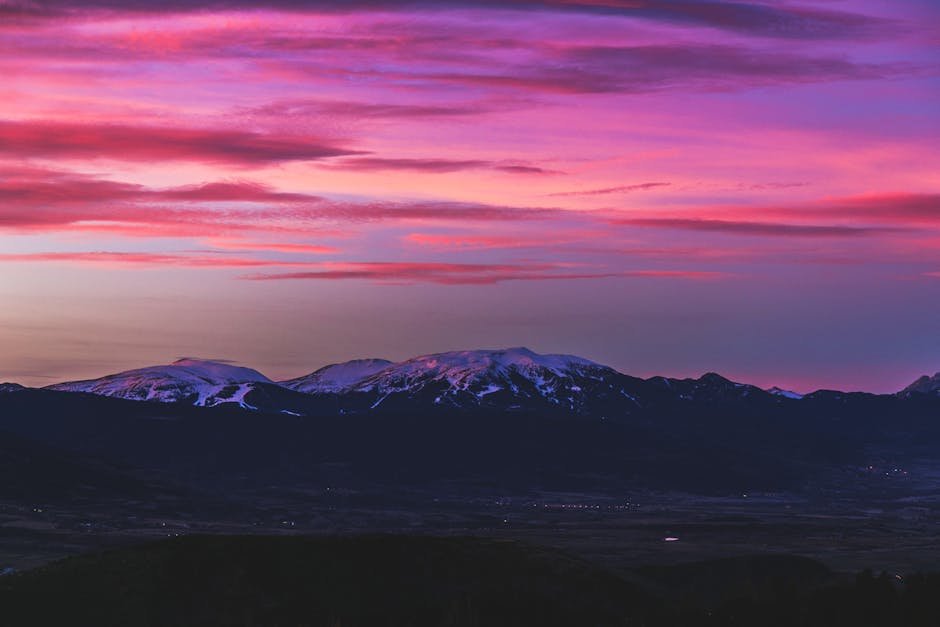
x=877, y=601
x=408, y=581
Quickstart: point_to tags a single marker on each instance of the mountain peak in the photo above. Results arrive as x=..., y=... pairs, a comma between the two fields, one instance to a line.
x=776, y=391
x=201, y=381
x=512, y=377
x=337, y=377
x=196, y=361
x=924, y=385
x=517, y=356
x=713, y=378
x=470, y=375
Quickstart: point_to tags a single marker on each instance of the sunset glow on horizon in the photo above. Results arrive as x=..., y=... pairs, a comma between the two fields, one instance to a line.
x=666, y=187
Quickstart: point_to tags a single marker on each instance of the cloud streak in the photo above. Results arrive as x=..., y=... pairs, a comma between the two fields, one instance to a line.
x=786, y=22
x=620, y=189
x=430, y=166
x=762, y=229
x=124, y=259
x=467, y=274
x=122, y=142
x=387, y=272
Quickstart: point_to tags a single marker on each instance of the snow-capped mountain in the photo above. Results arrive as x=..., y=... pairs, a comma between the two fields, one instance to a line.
x=511, y=378
x=6, y=388
x=784, y=393
x=924, y=385
x=337, y=377
x=514, y=378
x=194, y=381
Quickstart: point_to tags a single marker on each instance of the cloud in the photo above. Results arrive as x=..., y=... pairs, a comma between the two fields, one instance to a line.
x=367, y=110
x=442, y=211
x=524, y=169
x=621, y=189
x=42, y=200
x=465, y=274
x=768, y=229
x=120, y=259
x=367, y=164
x=765, y=20
x=431, y=165
x=467, y=241
x=643, y=69
x=237, y=191
x=890, y=208
x=44, y=187
x=393, y=272
x=67, y=140
x=851, y=216
x=240, y=212
x=241, y=245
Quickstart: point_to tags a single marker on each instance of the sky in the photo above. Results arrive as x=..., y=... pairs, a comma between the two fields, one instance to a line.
x=668, y=187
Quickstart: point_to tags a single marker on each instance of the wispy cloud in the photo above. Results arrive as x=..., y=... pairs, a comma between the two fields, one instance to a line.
x=470, y=241
x=776, y=21
x=430, y=165
x=121, y=259
x=467, y=274
x=897, y=208
x=371, y=110
x=619, y=189
x=121, y=142
x=768, y=229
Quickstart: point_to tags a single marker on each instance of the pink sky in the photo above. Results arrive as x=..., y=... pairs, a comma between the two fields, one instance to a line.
x=665, y=187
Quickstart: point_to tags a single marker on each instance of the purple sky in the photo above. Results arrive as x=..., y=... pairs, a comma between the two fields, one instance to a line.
x=667, y=187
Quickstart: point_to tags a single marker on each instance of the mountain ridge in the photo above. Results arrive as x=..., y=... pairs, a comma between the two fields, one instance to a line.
x=924, y=385
x=514, y=378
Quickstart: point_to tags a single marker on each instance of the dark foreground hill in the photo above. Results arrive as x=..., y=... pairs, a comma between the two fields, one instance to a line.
x=353, y=582
x=425, y=581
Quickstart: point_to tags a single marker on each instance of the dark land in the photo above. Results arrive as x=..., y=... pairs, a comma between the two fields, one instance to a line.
x=818, y=512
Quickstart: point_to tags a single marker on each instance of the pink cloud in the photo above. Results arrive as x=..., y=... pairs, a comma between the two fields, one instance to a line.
x=465, y=241
x=382, y=272
x=120, y=259
x=430, y=165
x=753, y=18
x=468, y=274
x=67, y=140
x=769, y=229
x=281, y=247
x=620, y=189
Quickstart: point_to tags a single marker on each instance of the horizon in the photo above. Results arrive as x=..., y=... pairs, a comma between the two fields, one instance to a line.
x=668, y=188
x=393, y=362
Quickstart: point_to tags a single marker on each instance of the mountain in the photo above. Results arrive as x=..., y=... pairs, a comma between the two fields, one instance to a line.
x=194, y=381
x=337, y=377
x=6, y=388
x=784, y=393
x=924, y=385
x=709, y=388
x=513, y=378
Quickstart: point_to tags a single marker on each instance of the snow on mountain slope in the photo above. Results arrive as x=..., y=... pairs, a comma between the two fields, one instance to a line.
x=6, y=388
x=196, y=381
x=337, y=377
x=784, y=393
x=513, y=377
